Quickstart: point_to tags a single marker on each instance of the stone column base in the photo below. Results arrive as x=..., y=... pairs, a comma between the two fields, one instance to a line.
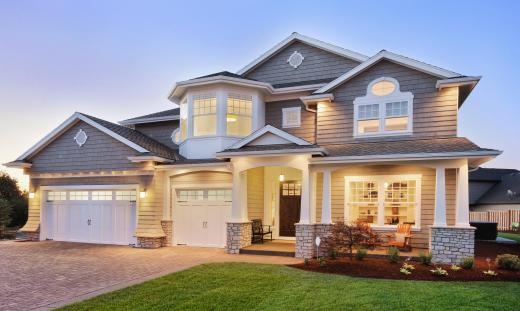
x=167, y=226
x=31, y=235
x=306, y=239
x=238, y=236
x=450, y=245
x=150, y=242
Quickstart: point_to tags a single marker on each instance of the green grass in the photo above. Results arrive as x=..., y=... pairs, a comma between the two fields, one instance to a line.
x=512, y=236
x=242, y=286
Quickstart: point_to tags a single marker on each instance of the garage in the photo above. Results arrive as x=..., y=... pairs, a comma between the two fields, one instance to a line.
x=200, y=216
x=105, y=216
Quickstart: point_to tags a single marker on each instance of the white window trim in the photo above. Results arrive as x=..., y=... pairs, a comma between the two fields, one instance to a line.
x=237, y=95
x=381, y=179
x=192, y=117
x=370, y=99
x=285, y=111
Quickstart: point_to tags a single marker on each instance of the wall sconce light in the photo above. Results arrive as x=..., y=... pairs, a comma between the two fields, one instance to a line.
x=31, y=195
x=282, y=177
x=142, y=194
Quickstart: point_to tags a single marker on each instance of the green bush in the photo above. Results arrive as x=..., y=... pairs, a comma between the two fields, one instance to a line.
x=426, y=259
x=468, y=263
x=361, y=253
x=393, y=254
x=306, y=261
x=322, y=261
x=508, y=262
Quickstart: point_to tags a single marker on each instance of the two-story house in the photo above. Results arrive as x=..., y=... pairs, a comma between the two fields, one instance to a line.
x=306, y=134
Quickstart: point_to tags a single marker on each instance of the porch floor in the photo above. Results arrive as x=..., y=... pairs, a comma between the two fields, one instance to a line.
x=286, y=248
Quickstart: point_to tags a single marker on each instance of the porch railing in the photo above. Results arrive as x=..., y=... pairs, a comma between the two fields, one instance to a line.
x=504, y=219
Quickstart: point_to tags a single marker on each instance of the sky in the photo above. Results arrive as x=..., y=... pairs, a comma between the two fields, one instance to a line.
x=119, y=59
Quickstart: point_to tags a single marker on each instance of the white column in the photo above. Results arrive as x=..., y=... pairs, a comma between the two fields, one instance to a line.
x=239, y=204
x=314, y=180
x=326, y=214
x=462, y=211
x=305, y=209
x=440, y=197
x=221, y=112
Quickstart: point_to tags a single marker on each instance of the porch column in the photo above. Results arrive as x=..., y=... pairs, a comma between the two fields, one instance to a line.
x=239, y=194
x=314, y=179
x=440, y=197
x=326, y=215
x=462, y=211
x=305, y=209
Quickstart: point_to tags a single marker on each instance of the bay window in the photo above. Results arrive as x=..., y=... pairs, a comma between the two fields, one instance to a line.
x=383, y=200
x=385, y=110
x=183, y=120
x=204, y=115
x=239, y=115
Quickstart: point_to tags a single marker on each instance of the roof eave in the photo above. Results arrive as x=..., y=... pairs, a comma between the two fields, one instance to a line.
x=149, y=120
x=266, y=153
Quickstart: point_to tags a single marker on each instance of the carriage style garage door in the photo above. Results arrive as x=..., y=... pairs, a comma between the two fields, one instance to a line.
x=94, y=216
x=200, y=216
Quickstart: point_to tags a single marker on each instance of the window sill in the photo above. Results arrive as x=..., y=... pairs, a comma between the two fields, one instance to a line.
x=389, y=134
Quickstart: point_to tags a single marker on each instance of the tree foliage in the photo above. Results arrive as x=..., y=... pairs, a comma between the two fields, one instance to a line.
x=16, y=199
x=344, y=237
x=5, y=213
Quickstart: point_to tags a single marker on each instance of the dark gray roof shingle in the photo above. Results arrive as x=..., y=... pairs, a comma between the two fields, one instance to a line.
x=506, y=191
x=490, y=174
x=166, y=113
x=226, y=74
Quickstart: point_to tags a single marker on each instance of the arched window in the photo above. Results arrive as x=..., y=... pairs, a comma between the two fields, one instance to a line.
x=384, y=110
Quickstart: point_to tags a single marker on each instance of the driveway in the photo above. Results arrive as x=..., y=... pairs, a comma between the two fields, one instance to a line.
x=47, y=274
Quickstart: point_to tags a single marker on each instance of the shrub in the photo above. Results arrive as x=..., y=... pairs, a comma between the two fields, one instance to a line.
x=344, y=237
x=322, y=262
x=468, y=263
x=306, y=261
x=455, y=268
x=333, y=254
x=490, y=273
x=439, y=272
x=361, y=253
x=393, y=254
x=426, y=259
x=508, y=262
x=405, y=271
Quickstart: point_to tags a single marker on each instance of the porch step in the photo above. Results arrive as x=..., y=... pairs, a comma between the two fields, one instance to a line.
x=266, y=252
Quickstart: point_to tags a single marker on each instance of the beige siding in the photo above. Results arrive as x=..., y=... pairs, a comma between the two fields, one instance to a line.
x=255, y=193
x=434, y=112
x=274, y=117
x=204, y=177
x=420, y=239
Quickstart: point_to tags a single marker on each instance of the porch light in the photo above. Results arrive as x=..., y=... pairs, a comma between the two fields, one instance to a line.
x=282, y=177
x=386, y=185
x=142, y=194
x=231, y=118
x=31, y=195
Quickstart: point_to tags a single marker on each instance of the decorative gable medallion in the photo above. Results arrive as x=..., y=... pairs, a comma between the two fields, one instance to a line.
x=296, y=59
x=81, y=137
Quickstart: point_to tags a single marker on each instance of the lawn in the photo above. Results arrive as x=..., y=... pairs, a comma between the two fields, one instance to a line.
x=242, y=286
x=512, y=236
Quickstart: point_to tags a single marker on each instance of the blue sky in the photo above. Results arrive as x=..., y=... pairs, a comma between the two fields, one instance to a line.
x=117, y=59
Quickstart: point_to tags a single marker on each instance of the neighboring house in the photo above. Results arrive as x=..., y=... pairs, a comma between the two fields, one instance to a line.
x=306, y=134
x=494, y=189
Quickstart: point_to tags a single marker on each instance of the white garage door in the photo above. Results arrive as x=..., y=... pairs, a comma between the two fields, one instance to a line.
x=200, y=216
x=97, y=216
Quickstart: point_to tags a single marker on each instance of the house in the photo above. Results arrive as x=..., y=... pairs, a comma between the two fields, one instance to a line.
x=494, y=189
x=306, y=134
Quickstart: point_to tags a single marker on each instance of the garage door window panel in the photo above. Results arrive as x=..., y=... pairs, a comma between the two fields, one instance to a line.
x=102, y=195
x=56, y=196
x=78, y=195
x=126, y=196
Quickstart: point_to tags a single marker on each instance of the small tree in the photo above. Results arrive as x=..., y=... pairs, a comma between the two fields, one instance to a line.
x=5, y=214
x=344, y=237
x=11, y=192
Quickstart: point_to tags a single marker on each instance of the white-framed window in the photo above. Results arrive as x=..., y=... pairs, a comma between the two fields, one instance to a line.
x=213, y=194
x=291, y=117
x=56, y=196
x=239, y=118
x=383, y=200
x=78, y=195
x=204, y=115
x=101, y=195
x=126, y=195
x=384, y=110
x=219, y=195
x=190, y=195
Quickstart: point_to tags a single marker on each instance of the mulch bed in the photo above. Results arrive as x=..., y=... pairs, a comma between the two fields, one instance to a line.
x=383, y=269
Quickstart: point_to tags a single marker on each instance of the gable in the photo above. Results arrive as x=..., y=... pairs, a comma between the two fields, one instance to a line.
x=318, y=66
x=269, y=139
x=100, y=152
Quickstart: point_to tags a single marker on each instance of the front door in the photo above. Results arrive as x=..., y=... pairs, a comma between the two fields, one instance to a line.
x=290, y=202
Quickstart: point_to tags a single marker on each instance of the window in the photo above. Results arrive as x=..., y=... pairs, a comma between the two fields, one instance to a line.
x=190, y=195
x=385, y=110
x=204, y=115
x=56, y=196
x=78, y=195
x=219, y=195
x=383, y=200
x=183, y=128
x=291, y=117
x=239, y=115
x=186, y=195
x=102, y=195
x=126, y=195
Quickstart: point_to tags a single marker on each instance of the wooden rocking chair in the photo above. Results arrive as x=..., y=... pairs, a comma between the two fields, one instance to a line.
x=402, y=238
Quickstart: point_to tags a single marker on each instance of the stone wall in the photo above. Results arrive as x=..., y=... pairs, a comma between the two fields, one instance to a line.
x=238, y=235
x=306, y=239
x=451, y=245
x=31, y=235
x=167, y=226
x=150, y=242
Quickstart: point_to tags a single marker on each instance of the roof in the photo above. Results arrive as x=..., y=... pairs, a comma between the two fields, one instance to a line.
x=166, y=115
x=490, y=174
x=404, y=147
x=505, y=191
x=300, y=83
x=225, y=74
x=271, y=147
x=308, y=40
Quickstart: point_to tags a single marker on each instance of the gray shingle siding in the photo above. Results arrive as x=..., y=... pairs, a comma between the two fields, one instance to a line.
x=317, y=64
x=159, y=131
x=274, y=117
x=100, y=152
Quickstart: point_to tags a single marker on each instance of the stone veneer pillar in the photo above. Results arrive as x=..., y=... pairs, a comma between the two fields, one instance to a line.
x=238, y=235
x=451, y=245
x=32, y=235
x=306, y=239
x=150, y=242
x=167, y=226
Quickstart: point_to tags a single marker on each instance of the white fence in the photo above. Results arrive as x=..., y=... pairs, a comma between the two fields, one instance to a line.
x=503, y=218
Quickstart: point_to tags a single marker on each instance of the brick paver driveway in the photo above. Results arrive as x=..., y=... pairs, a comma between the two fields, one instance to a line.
x=43, y=275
